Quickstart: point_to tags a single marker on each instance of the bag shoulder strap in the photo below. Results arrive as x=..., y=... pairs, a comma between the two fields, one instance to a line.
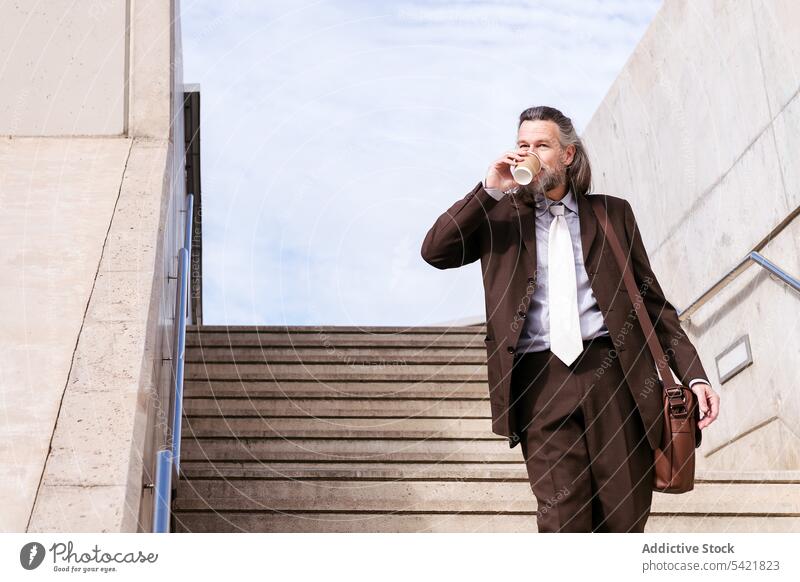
x=636, y=298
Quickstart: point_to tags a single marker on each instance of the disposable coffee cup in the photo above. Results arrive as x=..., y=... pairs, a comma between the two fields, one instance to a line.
x=524, y=172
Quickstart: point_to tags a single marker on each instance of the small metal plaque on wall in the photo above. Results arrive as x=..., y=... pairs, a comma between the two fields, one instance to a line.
x=734, y=359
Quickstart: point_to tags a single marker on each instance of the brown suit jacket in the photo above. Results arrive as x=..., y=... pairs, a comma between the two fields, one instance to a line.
x=501, y=234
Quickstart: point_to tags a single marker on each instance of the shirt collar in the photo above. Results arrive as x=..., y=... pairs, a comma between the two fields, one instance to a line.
x=568, y=200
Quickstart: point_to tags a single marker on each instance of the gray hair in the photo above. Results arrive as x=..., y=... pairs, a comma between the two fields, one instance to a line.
x=579, y=172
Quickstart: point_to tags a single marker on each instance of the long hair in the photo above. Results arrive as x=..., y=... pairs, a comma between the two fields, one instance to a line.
x=579, y=172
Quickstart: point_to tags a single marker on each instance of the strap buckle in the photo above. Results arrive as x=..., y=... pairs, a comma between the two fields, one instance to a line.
x=677, y=401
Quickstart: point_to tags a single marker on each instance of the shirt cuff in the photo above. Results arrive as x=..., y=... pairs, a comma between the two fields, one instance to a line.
x=696, y=380
x=495, y=193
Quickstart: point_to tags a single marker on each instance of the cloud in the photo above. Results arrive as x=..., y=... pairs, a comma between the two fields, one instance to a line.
x=335, y=133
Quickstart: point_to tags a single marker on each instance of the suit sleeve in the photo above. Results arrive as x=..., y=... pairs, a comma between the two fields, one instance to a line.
x=680, y=353
x=453, y=240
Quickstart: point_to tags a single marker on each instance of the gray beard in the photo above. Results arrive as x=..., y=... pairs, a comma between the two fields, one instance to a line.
x=529, y=193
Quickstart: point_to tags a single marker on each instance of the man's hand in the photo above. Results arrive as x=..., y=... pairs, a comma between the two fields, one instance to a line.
x=708, y=400
x=499, y=173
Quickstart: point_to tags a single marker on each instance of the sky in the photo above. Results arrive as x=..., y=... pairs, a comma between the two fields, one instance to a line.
x=335, y=133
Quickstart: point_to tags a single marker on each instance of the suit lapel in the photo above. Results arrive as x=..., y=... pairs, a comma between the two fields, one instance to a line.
x=525, y=220
x=589, y=228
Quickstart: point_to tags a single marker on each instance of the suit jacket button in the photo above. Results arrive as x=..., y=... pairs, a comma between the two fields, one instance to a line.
x=530, y=279
x=522, y=314
x=510, y=349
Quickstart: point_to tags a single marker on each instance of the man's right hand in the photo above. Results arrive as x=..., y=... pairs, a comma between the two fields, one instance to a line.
x=499, y=174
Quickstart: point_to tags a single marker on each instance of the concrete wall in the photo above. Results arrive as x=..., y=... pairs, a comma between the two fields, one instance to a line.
x=700, y=132
x=56, y=204
x=64, y=67
x=91, y=224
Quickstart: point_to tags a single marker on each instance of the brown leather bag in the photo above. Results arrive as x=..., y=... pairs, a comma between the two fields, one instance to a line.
x=674, y=459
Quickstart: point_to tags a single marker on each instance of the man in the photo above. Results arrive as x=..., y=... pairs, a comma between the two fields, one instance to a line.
x=570, y=376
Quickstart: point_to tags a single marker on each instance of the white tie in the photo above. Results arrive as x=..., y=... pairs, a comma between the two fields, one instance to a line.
x=566, y=341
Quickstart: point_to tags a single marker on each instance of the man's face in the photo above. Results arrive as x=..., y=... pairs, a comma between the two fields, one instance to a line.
x=541, y=137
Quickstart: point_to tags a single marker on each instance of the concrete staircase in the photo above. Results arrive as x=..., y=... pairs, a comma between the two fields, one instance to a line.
x=383, y=429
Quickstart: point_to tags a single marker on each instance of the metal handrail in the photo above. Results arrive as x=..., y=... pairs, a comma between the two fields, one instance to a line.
x=753, y=257
x=168, y=459
x=187, y=246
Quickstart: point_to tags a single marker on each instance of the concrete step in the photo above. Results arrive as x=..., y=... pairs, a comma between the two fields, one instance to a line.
x=334, y=354
x=265, y=521
x=340, y=337
x=341, y=428
x=335, y=407
x=457, y=496
x=378, y=470
x=323, y=450
x=210, y=521
x=354, y=470
x=474, y=388
x=720, y=524
x=742, y=476
x=336, y=329
x=410, y=372
x=354, y=496
x=732, y=499
x=342, y=341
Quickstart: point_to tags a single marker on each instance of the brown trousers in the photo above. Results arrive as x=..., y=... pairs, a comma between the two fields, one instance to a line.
x=589, y=463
